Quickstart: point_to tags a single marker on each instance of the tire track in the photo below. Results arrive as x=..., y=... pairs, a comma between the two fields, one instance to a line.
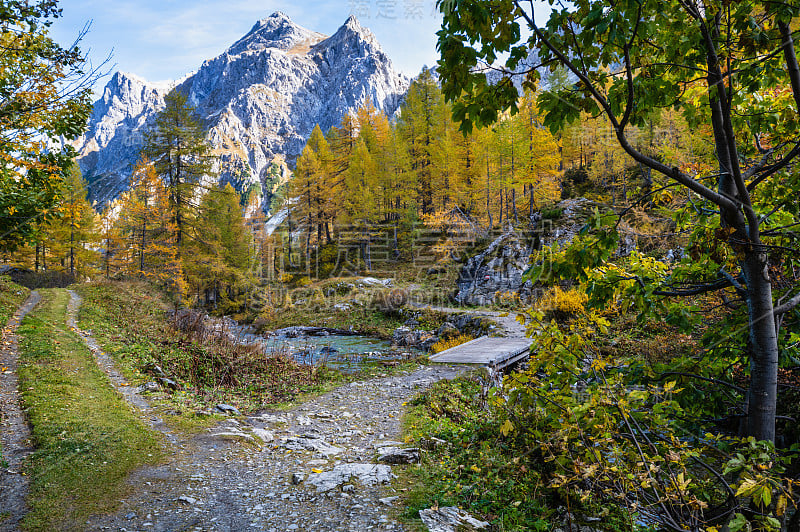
x=15, y=431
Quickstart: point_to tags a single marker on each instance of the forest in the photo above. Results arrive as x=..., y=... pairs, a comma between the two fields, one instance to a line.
x=662, y=387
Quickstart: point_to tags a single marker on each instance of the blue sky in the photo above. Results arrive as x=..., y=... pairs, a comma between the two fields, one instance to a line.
x=164, y=39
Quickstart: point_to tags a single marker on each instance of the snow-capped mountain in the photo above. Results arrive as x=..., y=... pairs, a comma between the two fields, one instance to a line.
x=260, y=100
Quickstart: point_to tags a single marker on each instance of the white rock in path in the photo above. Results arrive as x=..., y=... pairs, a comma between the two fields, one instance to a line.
x=308, y=442
x=450, y=519
x=264, y=435
x=366, y=474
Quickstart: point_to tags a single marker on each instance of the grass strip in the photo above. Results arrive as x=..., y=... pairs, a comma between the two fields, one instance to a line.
x=87, y=438
x=12, y=296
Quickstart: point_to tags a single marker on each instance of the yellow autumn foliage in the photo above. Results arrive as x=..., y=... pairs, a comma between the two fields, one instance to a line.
x=565, y=302
x=447, y=343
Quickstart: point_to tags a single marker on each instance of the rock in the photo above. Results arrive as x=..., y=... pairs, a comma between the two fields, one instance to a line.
x=148, y=387
x=155, y=370
x=259, y=101
x=328, y=350
x=447, y=331
x=389, y=501
x=234, y=435
x=450, y=519
x=411, y=322
x=371, y=281
x=297, y=478
x=342, y=307
x=431, y=443
x=310, y=442
x=228, y=409
x=169, y=383
x=407, y=337
x=188, y=500
x=263, y=434
x=386, y=443
x=498, y=269
x=396, y=455
x=271, y=418
x=366, y=474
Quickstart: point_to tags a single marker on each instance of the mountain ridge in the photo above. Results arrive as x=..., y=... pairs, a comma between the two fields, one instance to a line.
x=259, y=99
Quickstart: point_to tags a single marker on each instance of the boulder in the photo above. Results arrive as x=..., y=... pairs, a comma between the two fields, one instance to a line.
x=450, y=519
x=408, y=337
x=311, y=442
x=498, y=269
x=366, y=474
x=228, y=409
x=396, y=455
x=447, y=330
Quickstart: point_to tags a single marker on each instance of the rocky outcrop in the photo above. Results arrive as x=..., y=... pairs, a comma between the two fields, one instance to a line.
x=499, y=269
x=260, y=100
x=496, y=270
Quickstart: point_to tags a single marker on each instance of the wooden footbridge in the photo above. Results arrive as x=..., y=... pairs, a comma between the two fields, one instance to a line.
x=493, y=352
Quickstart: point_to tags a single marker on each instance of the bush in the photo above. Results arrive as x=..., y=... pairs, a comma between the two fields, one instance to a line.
x=446, y=343
x=561, y=304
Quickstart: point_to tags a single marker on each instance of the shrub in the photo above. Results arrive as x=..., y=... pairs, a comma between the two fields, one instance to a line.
x=446, y=343
x=561, y=304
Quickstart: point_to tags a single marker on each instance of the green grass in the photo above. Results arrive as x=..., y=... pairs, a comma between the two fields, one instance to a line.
x=87, y=438
x=477, y=468
x=11, y=297
x=129, y=321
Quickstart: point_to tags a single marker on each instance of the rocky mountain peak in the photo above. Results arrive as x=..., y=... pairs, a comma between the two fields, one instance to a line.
x=276, y=31
x=353, y=39
x=259, y=100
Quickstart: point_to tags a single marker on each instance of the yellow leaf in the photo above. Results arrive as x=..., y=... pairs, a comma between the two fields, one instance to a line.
x=507, y=428
x=780, y=509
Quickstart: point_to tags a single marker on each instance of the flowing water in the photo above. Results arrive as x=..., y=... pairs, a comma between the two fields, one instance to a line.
x=345, y=353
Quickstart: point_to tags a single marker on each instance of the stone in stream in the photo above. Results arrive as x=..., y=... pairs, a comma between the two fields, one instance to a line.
x=450, y=519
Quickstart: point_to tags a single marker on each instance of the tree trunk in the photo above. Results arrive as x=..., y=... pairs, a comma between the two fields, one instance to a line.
x=514, y=205
x=763, y=393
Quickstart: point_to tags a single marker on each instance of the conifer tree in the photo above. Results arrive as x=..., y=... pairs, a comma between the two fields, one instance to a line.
x=71, y=236
x=221, y=259
x=180, y=155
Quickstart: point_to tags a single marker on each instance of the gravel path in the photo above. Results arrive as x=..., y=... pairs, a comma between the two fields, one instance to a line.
x=15, y=431
x=312, y=467
x=309, y=468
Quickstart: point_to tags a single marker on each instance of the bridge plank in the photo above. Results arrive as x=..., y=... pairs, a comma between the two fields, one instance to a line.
x=485, y=351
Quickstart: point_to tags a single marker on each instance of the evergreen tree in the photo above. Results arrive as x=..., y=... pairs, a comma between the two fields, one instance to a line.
x=221, y=258
x=180, y=155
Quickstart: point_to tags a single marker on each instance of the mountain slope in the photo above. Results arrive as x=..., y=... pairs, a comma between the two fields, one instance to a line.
x=259, y=99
